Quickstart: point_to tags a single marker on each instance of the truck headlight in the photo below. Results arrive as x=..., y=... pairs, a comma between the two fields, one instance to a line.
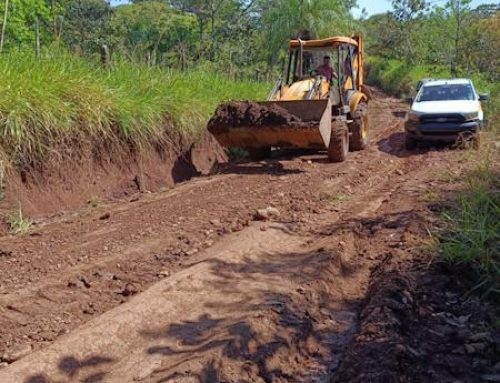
x=471, y=116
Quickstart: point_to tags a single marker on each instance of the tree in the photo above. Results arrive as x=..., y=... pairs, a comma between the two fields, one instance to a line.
x=152, y=29
x=86, y=24
x=381, y=35
x=482, y=44
x=459, y=11
x=407, y=13
x=19, y=20
x=285, y=19
x=214, y=18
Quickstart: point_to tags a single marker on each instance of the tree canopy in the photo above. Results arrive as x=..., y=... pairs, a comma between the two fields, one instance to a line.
x=251, y=34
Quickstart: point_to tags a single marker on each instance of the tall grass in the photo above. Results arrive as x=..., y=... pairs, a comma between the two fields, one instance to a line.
x=46, y=101
x=472, y=231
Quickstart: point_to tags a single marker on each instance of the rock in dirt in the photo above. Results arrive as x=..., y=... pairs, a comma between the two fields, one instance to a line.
x=164, y=274
x=266, y=214
x=106, y=275
x=16, y=352
x=129, y=290
x=105, y=216
x=6, y=254
x=79, y=283
x=216, y=222
x=76, y=284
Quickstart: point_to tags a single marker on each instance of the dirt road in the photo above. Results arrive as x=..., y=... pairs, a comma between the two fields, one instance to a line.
x=186, y=286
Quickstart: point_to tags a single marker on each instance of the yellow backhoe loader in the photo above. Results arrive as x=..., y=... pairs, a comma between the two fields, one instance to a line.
x=320, y=102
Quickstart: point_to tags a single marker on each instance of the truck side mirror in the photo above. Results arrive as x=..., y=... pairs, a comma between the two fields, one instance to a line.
x=409, y=100
x=484, y=97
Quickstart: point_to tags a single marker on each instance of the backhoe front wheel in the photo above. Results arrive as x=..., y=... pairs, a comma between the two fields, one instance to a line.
x=339, y=144
x=359, y=128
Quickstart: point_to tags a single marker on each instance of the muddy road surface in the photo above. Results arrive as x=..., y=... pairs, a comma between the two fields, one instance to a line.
x=262, y=272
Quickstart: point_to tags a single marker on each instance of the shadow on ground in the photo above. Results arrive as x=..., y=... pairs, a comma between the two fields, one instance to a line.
x=395, y=145
x=297, y=324
x=286, y=323
x=270, y=166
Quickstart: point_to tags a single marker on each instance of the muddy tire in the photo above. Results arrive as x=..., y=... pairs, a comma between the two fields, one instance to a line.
x=259, y=154
x=410, y=143
x=359, y=128
x=339, y=144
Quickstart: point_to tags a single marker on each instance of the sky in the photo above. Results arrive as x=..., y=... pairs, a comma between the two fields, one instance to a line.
x=372, y=6
x=381, y=6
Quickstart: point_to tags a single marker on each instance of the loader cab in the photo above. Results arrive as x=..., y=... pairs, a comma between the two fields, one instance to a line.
x=301, y=81
x=302, y=66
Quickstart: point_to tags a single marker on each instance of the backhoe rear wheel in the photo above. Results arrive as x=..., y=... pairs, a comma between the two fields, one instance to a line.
x=359, y=128
x=339, y=143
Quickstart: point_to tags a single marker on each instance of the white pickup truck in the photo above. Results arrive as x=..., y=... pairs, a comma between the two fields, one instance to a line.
x=444, y=110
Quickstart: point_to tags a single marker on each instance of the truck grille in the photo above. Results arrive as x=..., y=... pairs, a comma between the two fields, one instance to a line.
x=442, y=118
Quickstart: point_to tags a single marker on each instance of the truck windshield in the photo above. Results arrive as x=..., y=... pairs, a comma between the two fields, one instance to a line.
x=446, y=93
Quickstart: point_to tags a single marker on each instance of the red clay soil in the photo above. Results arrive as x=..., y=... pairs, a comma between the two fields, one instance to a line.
x=251, y=114
x=417, y=326
x=55, y=185
x=345, y=300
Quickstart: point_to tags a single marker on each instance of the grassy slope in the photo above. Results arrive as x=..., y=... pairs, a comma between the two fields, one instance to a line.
x=472, y=220
x=44, y=102
x=471, y=233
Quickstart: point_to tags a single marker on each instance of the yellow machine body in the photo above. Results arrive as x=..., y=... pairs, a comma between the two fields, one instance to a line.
x=311, y=98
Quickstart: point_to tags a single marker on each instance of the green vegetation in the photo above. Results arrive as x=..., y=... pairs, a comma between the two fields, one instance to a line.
x=236, y=36
x=48, y=101
x=472, y=232
x=18, y=224
x=333, y=197
x=449, y=34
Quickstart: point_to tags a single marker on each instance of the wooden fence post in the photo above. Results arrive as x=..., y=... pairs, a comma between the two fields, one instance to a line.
x=37, y=38
x=4, y=24
x=105, y=57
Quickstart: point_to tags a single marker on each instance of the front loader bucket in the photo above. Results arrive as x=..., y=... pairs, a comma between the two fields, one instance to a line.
x=284, y=124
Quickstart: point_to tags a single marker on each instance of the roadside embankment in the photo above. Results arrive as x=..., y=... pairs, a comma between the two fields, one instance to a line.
x=73, y=131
